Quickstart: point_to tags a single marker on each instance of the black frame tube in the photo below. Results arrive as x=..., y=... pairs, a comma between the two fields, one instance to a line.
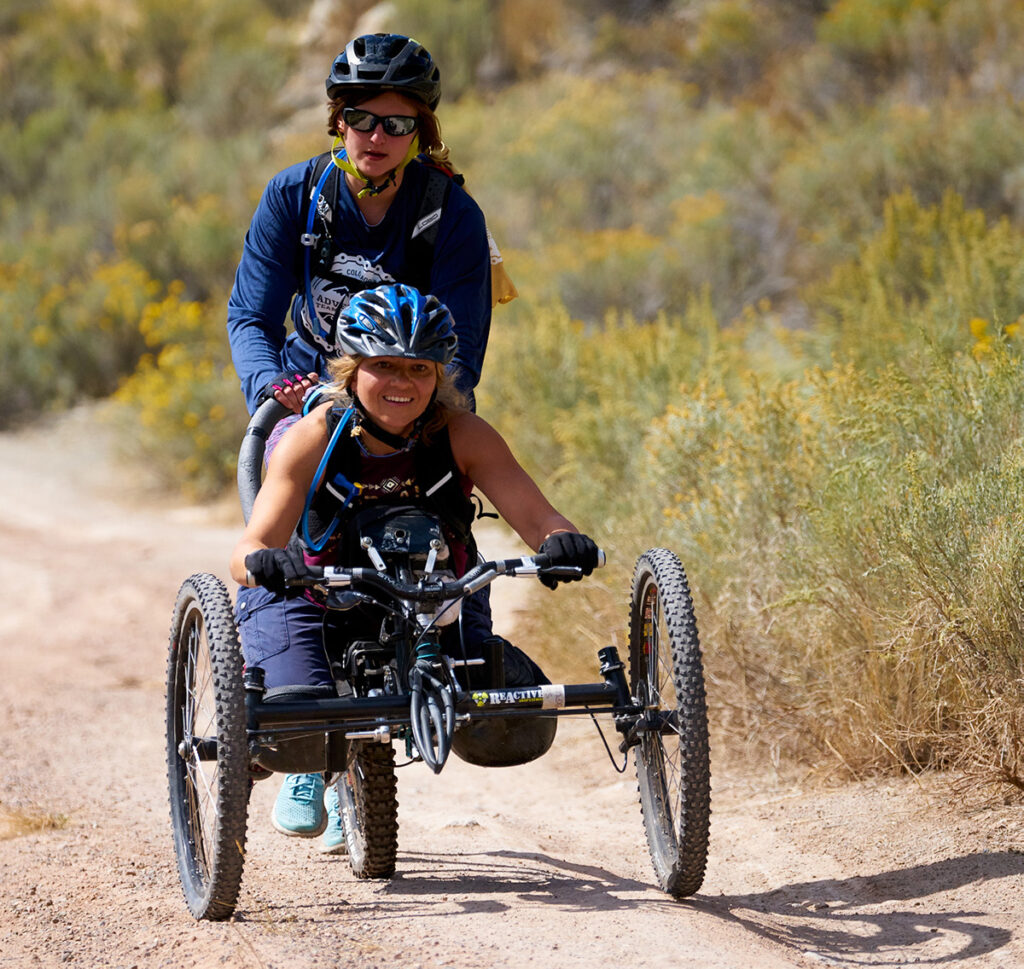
x=345, y=710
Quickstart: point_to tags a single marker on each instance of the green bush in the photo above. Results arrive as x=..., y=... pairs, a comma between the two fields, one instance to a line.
x=459, y=36
x=182, y=401
x=920, y=281
x=860, y=535
x=132, y=151
x=71, y=338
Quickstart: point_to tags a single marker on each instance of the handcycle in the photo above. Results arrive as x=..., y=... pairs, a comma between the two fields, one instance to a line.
x=397, y=685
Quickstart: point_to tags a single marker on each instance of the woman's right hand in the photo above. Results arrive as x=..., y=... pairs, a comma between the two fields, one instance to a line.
x=274, y=568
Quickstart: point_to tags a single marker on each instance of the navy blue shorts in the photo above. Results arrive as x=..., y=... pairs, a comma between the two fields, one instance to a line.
x=286, y=638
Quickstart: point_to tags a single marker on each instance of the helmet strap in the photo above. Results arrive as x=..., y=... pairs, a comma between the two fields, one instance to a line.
x=365, y=422
x=341, y=160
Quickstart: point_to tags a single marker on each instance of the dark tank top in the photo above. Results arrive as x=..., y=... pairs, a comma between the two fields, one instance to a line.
x=391, y=479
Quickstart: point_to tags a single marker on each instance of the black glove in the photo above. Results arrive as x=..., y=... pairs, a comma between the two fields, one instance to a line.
x=568, y=548
x=272, y=567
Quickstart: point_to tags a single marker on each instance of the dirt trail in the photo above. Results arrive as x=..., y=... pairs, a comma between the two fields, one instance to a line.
x=545, y=863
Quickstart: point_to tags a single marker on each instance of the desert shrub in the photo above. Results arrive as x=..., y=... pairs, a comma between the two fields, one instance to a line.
x=923, y=50
x=919, y=280
x=575, y=399
x=873, y=26
x=112, y=188
x=834, y=185
x=559, y=154
x=851, y=529
x=858, y=547
x=458, y=35
x=529, y=30
x=732, y=45
x=67, y=337
x=636, y=238
x=182, y=401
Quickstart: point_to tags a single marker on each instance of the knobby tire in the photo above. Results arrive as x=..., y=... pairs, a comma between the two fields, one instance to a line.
x=673, y=767
x=206, y=702
x=368, y=798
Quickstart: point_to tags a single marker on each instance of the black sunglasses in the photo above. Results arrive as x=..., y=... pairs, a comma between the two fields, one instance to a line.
x=394, y=124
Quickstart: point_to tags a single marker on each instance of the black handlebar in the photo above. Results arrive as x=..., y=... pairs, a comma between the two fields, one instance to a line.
x=437, y=590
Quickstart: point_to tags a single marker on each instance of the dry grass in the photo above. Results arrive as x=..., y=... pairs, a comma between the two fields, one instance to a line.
x=19, y=822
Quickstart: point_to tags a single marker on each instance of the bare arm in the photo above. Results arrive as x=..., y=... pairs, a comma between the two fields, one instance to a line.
x=277, y=507
x=482, y=454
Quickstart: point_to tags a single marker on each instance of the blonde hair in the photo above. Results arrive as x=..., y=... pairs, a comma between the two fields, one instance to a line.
x=448, y=400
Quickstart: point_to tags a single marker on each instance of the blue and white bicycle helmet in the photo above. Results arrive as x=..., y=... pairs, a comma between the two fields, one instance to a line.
x=397, y=321
x=386, y=62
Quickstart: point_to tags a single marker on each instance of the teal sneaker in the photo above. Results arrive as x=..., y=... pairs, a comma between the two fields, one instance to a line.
x=299, y=808
x=333, y=841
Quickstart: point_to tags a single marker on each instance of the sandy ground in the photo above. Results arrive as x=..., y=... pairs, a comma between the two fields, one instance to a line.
x=545, y=863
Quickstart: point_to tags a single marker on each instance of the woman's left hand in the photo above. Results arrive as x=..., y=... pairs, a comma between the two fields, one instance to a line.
x=291, y=390
x=569, y=548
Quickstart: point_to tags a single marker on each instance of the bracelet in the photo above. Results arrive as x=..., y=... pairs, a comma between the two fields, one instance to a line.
x=557, y=531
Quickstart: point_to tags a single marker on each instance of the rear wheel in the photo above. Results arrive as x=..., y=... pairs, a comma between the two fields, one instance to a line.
x=368, y=800
x=207, y=756
x=672, y=756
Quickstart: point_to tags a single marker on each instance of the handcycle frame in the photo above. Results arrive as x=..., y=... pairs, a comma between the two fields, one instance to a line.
x=269, y=721
x=220, y=726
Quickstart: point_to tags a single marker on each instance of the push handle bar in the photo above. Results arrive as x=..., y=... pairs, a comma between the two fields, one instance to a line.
x=252, y=449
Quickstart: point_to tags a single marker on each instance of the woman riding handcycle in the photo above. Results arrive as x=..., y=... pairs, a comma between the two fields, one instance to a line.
x=364, y=524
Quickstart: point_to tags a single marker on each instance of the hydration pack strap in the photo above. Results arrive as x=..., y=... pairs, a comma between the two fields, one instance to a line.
x=310, y=239
x=419, y=253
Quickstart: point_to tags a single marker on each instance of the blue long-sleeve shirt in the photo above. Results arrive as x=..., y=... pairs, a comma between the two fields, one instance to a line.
x=270, y=283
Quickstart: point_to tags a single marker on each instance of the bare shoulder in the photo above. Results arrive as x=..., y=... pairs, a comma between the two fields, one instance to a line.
x=465, y=424
x=467, y=431
x=475, y=444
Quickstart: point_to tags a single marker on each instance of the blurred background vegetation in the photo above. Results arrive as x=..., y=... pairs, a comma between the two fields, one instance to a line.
x=769, y=254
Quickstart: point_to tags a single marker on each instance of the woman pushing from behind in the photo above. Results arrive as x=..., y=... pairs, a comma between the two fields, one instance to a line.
x=382, y=207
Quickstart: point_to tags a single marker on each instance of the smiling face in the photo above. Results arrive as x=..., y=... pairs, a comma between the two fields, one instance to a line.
x=376, y=153
x=394, y=390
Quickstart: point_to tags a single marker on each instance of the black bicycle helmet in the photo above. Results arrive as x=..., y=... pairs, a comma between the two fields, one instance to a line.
x=387, y=62
x=397, y=321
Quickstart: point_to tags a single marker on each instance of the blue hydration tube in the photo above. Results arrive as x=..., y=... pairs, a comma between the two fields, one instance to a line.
x=340, y=481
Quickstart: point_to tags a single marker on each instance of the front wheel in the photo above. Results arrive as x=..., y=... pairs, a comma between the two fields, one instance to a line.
x=672, y=755
x=368, y=800
x=207, y=756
